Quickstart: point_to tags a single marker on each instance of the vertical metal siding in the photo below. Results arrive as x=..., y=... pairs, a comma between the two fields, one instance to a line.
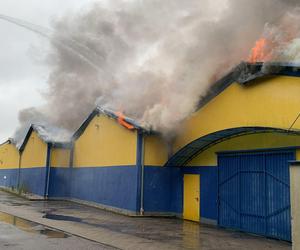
x=254, y=192
x=228, y=199
x=278, y=195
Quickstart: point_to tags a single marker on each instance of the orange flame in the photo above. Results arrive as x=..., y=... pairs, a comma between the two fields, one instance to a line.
x=121, y=120
x=258, y=53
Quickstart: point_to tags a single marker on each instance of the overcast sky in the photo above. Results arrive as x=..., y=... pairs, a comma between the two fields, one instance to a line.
x=22, y=76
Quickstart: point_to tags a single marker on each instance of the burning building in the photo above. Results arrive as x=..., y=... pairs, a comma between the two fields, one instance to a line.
x=240, y=142
x=229, y=161
x=229, y=166
x=116, y=164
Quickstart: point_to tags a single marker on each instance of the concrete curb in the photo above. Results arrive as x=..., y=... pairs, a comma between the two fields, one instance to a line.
x=28, y=196
x=96, y=234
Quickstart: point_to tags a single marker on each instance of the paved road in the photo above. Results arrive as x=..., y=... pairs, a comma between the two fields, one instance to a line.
x=130, y=232
x=18, y=234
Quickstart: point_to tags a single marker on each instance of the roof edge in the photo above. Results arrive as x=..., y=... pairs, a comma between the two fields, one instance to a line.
x=8, y=141
x=111, y=114
x=245, y=73
x=33, y=128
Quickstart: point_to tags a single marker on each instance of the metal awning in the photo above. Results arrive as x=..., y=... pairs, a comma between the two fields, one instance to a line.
x=192, y=149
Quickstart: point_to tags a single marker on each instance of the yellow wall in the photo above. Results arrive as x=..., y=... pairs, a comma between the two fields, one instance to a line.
x=35, y=152
x=9, y=156
x=105, y=143
x=273, y=102
x=155, y=151
x=298, y=154
x=60, y=157
x=246, y=142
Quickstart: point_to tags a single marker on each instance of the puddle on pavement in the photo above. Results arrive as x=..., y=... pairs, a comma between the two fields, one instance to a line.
x=31, y=227
x=62, y=217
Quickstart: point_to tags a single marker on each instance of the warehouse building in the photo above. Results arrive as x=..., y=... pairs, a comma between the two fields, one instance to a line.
x=234, y=152
x=228, y=165
x=28, y=167
x=9, y=164
x=117, y=164
x=37, y=152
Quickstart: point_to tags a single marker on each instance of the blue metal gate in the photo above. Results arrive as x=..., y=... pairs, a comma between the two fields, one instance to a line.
x=254, y=192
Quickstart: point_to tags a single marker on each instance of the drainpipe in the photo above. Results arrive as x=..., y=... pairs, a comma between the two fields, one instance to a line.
x=48, y=168
x=19, y=172
x=142, y=174
x=70, y=172
x=71, y=159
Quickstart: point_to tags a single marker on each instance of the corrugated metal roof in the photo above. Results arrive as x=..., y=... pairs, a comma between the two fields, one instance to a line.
x=57, y=137
x=113, y=115
x=245, y=73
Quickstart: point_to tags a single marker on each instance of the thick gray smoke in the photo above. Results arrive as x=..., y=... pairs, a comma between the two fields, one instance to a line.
x=151, y=59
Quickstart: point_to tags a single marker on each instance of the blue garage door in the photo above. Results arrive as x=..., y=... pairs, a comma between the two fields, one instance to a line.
x=254, y=192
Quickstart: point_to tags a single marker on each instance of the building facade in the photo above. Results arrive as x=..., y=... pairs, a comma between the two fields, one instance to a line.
x=234, y=152
x=229, y=163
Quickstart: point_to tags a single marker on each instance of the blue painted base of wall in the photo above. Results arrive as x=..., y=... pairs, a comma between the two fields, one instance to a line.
x=117, y=186
x=60, y=182
x=33, y=180
x=162, y=190
x=111, y=186
x=9, y=178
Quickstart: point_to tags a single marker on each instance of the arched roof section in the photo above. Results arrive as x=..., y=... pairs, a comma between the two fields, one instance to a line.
x=260, y=100
x=197, y=146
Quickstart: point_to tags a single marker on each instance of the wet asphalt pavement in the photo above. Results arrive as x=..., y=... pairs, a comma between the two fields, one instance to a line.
x=16, y=233
x=114, y=230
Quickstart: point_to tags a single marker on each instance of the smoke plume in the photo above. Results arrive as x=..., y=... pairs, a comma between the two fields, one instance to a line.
x=151, y=59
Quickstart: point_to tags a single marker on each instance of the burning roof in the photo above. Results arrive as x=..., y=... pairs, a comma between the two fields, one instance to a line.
x=123, y=120
x=245, y=73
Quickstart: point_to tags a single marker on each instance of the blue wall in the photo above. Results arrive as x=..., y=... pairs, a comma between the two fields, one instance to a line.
x=117, y=187
x=11, y=177
x=33, y=180
x=177, y=190
x=111, y=186
x=208, y=190
x=60, y=182
x=162, y=189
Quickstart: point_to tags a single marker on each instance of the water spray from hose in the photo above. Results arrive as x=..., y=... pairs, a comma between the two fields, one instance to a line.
x=83, y=52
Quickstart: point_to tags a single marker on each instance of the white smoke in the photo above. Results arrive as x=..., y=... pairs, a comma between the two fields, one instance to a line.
x=154, y=59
